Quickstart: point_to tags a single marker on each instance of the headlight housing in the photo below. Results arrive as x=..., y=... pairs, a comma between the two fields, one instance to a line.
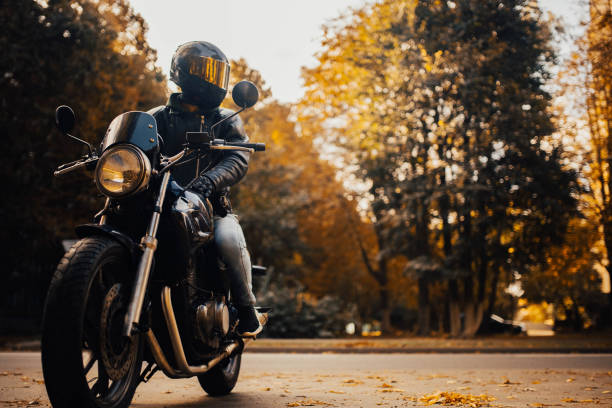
x=122, y=170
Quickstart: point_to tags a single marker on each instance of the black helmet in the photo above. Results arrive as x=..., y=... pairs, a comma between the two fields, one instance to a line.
x=202, y=71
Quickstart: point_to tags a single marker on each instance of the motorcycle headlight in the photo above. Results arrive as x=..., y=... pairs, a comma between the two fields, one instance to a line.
x=122, y=170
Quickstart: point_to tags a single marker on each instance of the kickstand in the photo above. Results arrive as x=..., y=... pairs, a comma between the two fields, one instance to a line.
x=148, y=373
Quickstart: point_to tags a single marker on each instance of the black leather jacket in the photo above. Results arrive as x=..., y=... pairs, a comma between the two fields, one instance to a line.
x=223, y=167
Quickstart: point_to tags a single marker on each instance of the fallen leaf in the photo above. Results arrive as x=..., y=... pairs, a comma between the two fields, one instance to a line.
x=390, y=390
x=569, y=380
x=455, y=398
x=308, y=403
x=266, y=389
x=536, y=382
x=385, y=385
x=606, y=392
x=569, y=400
x=352, y=381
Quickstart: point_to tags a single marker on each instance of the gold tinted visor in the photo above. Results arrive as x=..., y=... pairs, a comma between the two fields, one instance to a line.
x=210, y=70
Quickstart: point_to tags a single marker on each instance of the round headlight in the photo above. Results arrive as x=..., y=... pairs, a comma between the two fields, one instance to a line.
x=122, y=170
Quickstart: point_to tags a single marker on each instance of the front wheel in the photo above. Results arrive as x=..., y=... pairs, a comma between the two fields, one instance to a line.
x=221, y=379
x=86, y=360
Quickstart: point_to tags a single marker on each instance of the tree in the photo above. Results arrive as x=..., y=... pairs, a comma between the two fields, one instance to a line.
x=442, y=110
x=598, y=93
x=569, y=278
x=92, y=55
x=295, y=214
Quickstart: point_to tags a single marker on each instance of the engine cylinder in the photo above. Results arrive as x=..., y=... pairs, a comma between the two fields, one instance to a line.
x=212, y=315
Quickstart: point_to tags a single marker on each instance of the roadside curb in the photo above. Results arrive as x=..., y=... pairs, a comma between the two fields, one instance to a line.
x=374, y=350
x=35, y=346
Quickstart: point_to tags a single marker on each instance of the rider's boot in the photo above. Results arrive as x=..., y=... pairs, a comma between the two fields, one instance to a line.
x=248, y=322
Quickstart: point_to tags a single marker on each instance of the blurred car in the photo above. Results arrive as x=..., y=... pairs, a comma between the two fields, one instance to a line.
x=495, y=324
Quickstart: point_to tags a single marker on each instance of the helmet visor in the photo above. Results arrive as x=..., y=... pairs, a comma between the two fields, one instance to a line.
x=210, y=70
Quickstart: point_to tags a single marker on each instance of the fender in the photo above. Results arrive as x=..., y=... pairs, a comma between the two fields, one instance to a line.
x=88, y=230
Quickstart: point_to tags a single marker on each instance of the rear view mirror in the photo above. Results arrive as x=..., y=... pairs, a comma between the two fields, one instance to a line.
x=245, y=94
x=64, y=119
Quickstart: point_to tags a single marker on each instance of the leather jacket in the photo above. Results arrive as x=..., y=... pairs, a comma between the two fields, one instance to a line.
x=224, y=168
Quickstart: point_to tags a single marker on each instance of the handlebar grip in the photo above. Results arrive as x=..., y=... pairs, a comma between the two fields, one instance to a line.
x=258, y=147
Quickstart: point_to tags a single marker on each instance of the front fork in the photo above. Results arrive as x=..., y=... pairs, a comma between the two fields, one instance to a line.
x=148, y=243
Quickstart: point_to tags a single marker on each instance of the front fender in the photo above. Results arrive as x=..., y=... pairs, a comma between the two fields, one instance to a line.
x=87, y=230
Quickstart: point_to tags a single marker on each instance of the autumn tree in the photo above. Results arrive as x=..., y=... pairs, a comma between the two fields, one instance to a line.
x=296, y=216
x=93, y=56
x=569, y=278
x=597, y=87
x=442, y=109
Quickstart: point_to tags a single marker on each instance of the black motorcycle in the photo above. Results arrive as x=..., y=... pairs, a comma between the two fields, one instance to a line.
x=132, y=290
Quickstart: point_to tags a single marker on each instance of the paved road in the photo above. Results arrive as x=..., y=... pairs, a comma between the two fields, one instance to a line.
x=364, y=380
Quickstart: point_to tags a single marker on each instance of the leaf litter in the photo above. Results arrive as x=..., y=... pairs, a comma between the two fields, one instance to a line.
x=457, y=399
x=309, y=403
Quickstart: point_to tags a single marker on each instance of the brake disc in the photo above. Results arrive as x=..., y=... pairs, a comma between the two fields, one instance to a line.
x=118, y=352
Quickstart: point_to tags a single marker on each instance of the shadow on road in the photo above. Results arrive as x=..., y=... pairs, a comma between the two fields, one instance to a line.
x=233, y=400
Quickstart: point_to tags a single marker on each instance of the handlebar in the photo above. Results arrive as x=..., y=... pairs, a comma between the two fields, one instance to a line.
x=88, y=163
x=204, y=140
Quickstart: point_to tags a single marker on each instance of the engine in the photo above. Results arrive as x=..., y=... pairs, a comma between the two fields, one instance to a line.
x=212, y=321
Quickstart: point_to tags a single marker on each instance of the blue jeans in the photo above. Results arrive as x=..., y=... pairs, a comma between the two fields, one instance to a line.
x=232, y=248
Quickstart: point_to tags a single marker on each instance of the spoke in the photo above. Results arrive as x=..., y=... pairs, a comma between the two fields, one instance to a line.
x=100, y=388
x=90, y=364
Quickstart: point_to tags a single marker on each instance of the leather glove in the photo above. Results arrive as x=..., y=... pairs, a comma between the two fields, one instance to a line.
x=204, y=187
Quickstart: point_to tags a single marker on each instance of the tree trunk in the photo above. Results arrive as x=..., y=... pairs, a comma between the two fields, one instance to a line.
x=385, y=324
x=454, y=312
x=577, y=320
x=493, y=293
x=424, y=308
x=473, y=312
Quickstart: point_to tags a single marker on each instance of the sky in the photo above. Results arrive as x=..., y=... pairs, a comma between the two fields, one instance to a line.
x=276, y=37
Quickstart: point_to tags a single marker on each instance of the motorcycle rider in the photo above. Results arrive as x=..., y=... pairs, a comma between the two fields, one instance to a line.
x=201, y=70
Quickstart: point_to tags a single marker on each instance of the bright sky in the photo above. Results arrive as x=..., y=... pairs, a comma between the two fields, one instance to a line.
x=276, y=37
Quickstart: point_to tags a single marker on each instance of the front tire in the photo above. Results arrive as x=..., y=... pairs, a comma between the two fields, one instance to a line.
x=86, y=362
x=222, y=378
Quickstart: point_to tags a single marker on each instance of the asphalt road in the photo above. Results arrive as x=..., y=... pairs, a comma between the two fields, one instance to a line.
x=363, y=380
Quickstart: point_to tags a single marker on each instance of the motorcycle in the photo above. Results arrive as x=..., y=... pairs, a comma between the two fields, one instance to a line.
x=118, y=298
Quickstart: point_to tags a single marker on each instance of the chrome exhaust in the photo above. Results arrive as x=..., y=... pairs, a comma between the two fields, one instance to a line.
x=184, y=369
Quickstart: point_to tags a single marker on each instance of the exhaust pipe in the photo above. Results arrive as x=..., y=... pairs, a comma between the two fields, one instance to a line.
x=184, y=369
